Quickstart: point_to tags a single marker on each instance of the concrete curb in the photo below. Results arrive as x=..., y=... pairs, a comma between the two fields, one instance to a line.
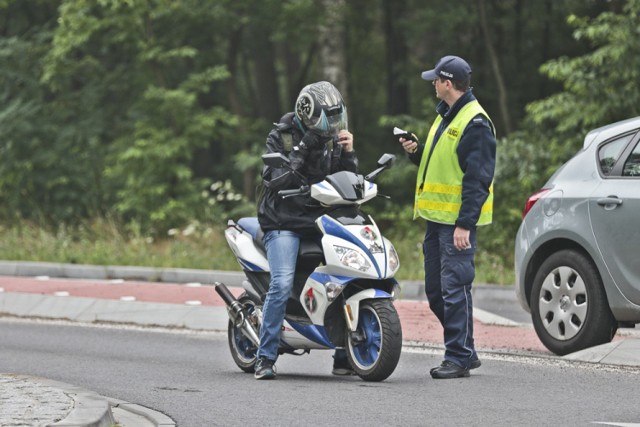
x=492, y=319
x=93, y=410
x=95, y=272
x=89, y=310
x=157, y=419
x=89, y=409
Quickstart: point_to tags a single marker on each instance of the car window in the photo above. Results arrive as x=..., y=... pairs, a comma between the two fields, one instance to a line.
x=632, y=165
x=609, y=153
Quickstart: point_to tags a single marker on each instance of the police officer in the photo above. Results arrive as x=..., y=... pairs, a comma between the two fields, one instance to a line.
x=454, y=194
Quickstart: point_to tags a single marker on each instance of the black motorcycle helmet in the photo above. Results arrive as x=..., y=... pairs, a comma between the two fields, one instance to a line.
x=320, y=108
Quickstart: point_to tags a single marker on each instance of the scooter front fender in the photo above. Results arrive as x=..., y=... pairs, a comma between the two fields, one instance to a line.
x=352, y=305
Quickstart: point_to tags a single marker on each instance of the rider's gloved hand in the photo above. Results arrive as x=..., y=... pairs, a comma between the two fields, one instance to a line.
x=311, y=141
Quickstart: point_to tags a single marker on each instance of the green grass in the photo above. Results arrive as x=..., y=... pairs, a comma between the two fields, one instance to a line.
x=197, y=246
x=103, y=243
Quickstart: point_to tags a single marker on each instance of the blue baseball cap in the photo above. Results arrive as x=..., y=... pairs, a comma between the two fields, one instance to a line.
x=449, y=67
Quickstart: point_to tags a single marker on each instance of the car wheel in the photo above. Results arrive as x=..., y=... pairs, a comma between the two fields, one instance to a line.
x=569, y=307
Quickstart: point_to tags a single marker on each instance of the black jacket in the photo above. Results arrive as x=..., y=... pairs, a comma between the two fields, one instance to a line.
x=311, y=166
x=476, y=155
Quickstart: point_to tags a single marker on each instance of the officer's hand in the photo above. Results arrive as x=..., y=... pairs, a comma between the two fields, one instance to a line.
x=409, y=145
x=461, y=238
x=345, y=138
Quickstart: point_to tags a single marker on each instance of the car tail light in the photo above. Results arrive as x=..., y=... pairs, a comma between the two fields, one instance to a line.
x=533, y=199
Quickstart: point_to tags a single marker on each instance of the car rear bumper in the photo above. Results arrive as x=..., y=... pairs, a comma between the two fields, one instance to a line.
x=521, y=248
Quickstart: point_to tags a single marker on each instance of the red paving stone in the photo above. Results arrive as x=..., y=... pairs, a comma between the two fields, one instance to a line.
x=418, y=323
x=421, y=325
x=170, y=293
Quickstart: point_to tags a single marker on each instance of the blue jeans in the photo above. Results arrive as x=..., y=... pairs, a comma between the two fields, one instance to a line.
x=282, y=252
x=449, y=274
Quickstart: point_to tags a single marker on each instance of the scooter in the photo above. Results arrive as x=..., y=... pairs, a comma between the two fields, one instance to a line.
x=343, y=289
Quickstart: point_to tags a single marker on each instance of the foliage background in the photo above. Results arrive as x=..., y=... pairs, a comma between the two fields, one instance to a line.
x=130, y=121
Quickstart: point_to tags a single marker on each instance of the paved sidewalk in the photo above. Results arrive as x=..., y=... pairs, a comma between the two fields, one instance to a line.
x=32, y=401
x=26, y=401
x=132, y=295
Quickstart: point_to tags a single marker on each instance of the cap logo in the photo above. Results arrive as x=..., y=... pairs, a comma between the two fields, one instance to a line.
x=444, y=73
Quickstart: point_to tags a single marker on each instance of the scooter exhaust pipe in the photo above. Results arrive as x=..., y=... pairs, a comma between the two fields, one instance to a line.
x=236, y=313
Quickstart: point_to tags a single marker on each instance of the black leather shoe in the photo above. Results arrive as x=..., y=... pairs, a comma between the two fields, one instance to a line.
x=342, y=367
x=449, y=370
x=433, y=369
x=475, y=364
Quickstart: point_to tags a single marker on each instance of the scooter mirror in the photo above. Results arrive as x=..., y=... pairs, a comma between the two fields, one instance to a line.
x=275, y=160
x=386, y=160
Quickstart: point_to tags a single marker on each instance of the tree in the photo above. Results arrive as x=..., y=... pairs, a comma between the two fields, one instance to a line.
x=49, y=172
x=496, y=68
x=146, y=110
x=397, y=56
x=331, y=38
x=147, y=81
x=600, y=87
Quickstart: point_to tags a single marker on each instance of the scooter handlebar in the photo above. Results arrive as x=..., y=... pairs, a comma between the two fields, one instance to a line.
x=294, y=192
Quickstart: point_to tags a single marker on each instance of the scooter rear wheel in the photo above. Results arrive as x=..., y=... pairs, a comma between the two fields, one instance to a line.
x=374, y=347
x=242, y=349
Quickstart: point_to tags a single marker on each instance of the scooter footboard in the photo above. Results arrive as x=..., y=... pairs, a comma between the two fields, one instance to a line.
x=305, y=336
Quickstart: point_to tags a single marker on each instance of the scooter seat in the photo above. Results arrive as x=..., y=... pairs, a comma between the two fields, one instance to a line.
x=310, y=252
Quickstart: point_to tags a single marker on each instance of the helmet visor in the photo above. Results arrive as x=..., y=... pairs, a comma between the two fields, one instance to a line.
x=331, y=121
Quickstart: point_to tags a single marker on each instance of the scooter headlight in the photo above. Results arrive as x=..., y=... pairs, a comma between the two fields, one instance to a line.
x=352, y=258
x=394, y=261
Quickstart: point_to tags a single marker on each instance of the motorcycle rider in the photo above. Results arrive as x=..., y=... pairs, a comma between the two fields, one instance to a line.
x=315, y=139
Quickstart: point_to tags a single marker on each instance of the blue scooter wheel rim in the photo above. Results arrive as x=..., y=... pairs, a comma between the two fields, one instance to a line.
x=246, y=349
x=368, y=352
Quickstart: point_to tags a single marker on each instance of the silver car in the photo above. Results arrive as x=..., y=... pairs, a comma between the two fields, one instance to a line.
x=577, y=252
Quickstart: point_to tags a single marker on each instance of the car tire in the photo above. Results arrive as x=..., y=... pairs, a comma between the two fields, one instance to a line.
x=569, y=307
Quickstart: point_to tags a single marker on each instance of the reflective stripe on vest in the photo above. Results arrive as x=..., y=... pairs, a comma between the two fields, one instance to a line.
x=439, y=197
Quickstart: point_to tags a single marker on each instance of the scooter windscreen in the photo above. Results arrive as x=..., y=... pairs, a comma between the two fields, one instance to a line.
x=349, y=185
x=349, y=215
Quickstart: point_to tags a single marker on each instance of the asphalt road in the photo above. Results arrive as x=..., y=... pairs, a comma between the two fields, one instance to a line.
x=191, y=377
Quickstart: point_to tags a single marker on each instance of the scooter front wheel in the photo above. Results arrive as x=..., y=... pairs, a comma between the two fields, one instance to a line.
x=374, y=347
x=243, y=350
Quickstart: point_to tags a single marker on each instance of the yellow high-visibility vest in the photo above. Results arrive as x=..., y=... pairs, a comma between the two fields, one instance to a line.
x=439, y=190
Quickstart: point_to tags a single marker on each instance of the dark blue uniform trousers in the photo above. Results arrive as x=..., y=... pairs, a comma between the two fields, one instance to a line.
x=449, y=274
